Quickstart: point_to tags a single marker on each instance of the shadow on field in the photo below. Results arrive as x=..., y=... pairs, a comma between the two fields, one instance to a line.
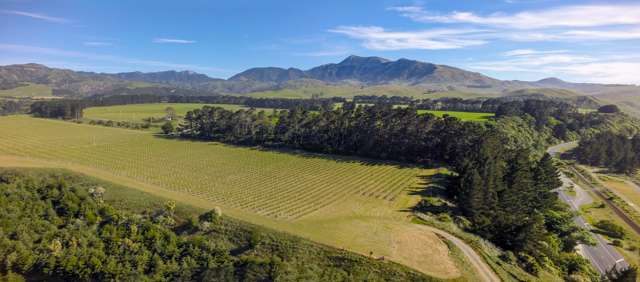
x=304, y=154
x=435, y=197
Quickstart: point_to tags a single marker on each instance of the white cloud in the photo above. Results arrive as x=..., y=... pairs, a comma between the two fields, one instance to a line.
x=565, y=23
x=173, y=40
x=565, y=16
x=25, y=49
x=527, y=52
x=377, y=38
x=96, y=43
x=37, y=16
x=585, y=68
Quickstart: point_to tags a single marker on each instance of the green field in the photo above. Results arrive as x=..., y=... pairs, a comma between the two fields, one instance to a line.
x=347, y=203
x=347, y=91
x=470, y=116
x=31, y=90
x=137, y=112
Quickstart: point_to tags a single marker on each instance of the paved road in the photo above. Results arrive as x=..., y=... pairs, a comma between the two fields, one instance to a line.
x=484, y=271
x=602, y=256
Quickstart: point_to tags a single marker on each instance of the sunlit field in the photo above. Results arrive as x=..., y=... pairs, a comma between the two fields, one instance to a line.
x=138, y=112
x=338, y=201
x=470, y=116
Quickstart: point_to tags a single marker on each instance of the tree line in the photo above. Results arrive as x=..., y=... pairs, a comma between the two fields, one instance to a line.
x=58, y=108
x=13, y=106
x=508, y=198
x=72, y=108
x=616, y=151
x=484, y=105
x=381, y=132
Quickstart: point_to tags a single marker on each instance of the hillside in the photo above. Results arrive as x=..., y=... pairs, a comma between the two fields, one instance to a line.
x=352, y=76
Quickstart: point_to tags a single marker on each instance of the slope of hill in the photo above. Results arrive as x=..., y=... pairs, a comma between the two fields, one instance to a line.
x=361, y=75
x=176, y=78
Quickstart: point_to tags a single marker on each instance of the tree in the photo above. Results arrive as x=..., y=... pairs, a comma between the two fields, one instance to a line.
x=629, y=274
x=167, y=128
x=609, y=109
x=170, y=113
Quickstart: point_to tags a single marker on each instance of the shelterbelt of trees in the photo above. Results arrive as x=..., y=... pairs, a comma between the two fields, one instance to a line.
x=72, y=109
x=55, y=226
x=504, y=191
x=616, y=151
x=486, y=105
x=13, y=106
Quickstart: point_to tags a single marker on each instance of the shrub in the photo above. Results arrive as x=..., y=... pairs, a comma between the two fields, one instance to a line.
x=609, y=109
x=610, y=229
x=167, y=128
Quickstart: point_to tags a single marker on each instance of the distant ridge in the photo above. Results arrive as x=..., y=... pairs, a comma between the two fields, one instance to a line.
x=353, y=71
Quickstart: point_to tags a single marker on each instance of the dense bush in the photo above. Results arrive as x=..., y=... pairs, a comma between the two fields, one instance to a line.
x=62, y=109
x=613, y=150
x=609, y=109
x=379, y=131
x=610, y=229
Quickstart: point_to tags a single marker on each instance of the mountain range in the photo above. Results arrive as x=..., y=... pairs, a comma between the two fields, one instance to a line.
x=354, y=74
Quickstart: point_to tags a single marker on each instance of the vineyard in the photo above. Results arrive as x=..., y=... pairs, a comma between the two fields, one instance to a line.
x=344, y=202
x=274, y=184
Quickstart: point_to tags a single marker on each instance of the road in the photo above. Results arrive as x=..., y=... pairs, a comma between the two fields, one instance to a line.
x=602, y=256
x=484, y=271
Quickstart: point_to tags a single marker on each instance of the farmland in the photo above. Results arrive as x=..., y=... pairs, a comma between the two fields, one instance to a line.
x=470, y=116
x=345, y=202
x=137, y=112
x=29, y=90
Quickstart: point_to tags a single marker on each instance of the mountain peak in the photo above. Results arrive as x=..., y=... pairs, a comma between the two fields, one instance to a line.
x=353, y=59
x=551, y=80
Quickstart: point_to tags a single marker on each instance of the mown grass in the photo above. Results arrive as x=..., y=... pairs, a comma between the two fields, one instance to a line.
x=468, y=116
x=137, y=112
x=626, y=191
x=30, y=90
x=350, y=203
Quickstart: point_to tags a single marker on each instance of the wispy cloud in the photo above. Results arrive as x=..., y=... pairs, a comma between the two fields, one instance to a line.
x=25, y=49
x=173, y=40
x=562, y=24
x=564, y=16
x=528, y=52
x=97, y=43
x=37, y=16
x=378, y=38
x=602, y=68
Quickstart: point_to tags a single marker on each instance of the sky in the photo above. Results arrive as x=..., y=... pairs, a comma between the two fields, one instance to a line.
x=580, y=41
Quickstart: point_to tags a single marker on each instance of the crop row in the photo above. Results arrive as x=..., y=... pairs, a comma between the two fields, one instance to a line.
x=275, y=184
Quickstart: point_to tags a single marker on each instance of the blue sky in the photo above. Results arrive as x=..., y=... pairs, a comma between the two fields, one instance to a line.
x=596, y=41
